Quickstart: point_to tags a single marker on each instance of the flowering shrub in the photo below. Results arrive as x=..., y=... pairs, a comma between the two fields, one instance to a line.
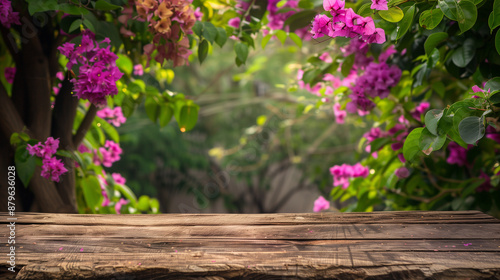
x=98, y=72
x=52, y=167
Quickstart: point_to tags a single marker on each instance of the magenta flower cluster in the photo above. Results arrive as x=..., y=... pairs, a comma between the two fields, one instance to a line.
x=458, y=154
x=345, y=23
x=7, y=15
x=276, y=17
x=376, y=81
x=52, y=167
x=109, y=154
x=98, y=72
x=113, y=116
x=343, y=173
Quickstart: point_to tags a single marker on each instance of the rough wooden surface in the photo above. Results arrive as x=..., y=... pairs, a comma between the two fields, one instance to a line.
x=381, y=245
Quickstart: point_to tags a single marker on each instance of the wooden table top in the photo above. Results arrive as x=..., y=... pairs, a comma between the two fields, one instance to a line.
x=378, y=245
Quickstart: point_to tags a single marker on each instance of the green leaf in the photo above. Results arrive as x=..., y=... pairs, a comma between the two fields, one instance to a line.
x=449, y=8
x=296, y=39
x=209, y=31
x=300, y=19
x=430, y=142
x=221, y=37
x=471, y=129
x=365, y=10
x=281, y=36
x=497, y=41
x=394, y=14
x=202, y=50
x=492, y=84
x=455, y=136
x=124, y=64
x=127, y=193
x=461, y=114
x=143, y=203
x=439, y=88
x=75, y=25
x=494, y=18
x=347, y=64
x=433, y=40
x=378, y=143
x=188, y=117
x=35, y=6
x=241, y=50
x=104, y=5
x=467, y=15
x=89, y=25
x=108, y=129
x=152, y=108
x=445, y=124
x=471, y=186
x=406, y=22
x=166, y=113
x=25, y=164
x=198, y=28
x=72, y=9
x=495, y=97
x=464, y=54
x=432, y=118
x=411, y=146
x=155, y=205
x=265, y=40
x=109, y=30
x=430, y=19
x=92, y=192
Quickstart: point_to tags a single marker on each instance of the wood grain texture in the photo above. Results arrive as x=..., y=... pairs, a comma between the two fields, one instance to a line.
x=379, y=245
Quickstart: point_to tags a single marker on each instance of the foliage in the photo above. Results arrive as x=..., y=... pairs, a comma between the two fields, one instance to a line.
x=388, y=62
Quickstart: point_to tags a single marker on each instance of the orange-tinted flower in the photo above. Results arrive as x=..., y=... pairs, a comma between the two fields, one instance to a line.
x=163, y=11
x=163, y=26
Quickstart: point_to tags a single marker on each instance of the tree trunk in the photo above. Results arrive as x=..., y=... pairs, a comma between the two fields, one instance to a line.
x=29, y=110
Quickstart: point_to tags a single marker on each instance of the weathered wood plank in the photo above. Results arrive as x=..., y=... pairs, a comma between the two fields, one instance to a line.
x=383, y=245
x=399, y=217
x=284, y=232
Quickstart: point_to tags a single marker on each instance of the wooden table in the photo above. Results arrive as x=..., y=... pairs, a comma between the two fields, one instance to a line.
x=379, y=245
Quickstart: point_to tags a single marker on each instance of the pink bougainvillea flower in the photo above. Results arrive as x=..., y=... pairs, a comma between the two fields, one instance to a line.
x=320, y=26
x=52, y=168
x=458, y=155
x=339, y=114
x=113, y=116
x=402, y=172
x=10, y=73
x=321, y=204
x=118, y=178
x=119, y=205
x=234, y=22
x=342, y=173
x=378, y=36
x=7, y=15
x=326, y=57
x=333, y=4
x=379, y=5
x=138, y=70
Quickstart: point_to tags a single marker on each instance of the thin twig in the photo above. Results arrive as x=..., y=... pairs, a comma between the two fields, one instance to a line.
x=85, y=125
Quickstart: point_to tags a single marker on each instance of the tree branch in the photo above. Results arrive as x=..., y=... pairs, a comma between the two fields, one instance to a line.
x=85, y=125
x=63, y=118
